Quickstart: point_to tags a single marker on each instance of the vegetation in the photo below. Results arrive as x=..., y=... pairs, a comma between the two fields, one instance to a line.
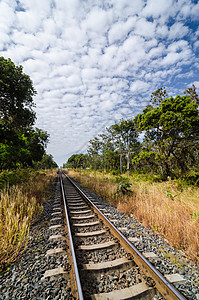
x=171, y=136
x=22, y=148
x=169, y=208
x=20, y=206
x=170, y=147
x=163, y=167
x=21, y=145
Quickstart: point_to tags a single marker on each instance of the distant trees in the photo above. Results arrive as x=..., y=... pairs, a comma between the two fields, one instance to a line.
x=126, y=136
x=46, y=162
x=108, y=151
x=77, y=161
x=20, y=143
x=170, y=146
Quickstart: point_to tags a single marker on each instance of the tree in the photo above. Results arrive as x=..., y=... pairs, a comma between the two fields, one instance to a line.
x=37, y=140
x=115, y=132
x=171, y=133
x=46, y=162
x=158, y=96
x=22, y=147
x=20, y=143
x=94, y=150
x=107, y=151
x=126, y=135
x=192, y=93
x=77, y=161
x=16, y=96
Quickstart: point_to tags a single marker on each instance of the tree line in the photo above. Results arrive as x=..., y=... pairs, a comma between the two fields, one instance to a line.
x=170, y=126
x=21, y=144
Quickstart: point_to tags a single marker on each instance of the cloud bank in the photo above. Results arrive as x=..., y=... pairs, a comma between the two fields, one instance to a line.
x=95, y=62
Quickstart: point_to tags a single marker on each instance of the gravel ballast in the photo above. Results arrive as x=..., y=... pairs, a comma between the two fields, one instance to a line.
x=168, y=260
x=24, y=280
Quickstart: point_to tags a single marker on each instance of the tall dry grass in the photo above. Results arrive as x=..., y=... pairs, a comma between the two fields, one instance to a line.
x=20, y=205
x=161, y=207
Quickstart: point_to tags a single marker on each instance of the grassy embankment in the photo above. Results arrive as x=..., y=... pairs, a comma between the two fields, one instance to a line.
x=21, y=196
x=170, y=208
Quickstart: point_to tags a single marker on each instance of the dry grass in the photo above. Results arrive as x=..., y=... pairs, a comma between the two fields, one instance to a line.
x=20, y=206
x=161, y=207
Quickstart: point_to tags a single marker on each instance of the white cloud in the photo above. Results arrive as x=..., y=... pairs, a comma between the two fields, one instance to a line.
x=97, y=20
x=157, y=8
x=162, y=31
x=139, y=86
x=125, y=8
x=196, y=45
x=120, y=30
x=90, y=74
x=177, y=31
x=156, y=51
x=7, y=16
x=145, y=28
x=88, y=58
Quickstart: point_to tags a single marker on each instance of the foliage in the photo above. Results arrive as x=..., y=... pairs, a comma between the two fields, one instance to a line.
x=20, y=206
x=21, y=148
x=151, y=206
x=126, y=136
x=108, y=151
x=15, y=177
x=171, y=134
x=21, y=145
x=195, y=215
x=192, y=93
x=16, y=96
x=170, y=144
x=124, y=188
x=77, y=161
x=170, y=195
x=158, y=96
x=46, y=162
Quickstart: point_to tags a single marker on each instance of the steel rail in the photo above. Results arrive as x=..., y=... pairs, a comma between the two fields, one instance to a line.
x=77, y=289
x=167, y=290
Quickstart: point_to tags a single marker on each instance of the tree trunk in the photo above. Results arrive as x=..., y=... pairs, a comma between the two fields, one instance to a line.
x=128, y=161
x=120, y=157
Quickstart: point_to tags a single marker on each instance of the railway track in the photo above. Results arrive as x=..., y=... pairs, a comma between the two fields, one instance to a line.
x=99, y=254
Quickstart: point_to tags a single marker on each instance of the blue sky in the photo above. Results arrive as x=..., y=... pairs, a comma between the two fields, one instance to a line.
x=95, y=62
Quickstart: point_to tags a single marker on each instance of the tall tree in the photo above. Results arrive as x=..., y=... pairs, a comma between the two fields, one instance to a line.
x=94, y=150
x=126, y=135
x=16, y=96
x=158, y=96
x=20, y=143
x=46, y=162
x=77, y=161
x=107, y=149
x=192, y=93
x=171, y=132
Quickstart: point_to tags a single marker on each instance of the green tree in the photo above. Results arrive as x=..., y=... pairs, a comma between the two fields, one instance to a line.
x=107, y=151
x=16, y=96
x=126, y=137
x=77, y=161
x=47, y=162
x=37, y=140
x=22, y=147
x=192, y=93
x=20, y=143
x=158, y=96
x=171, y=134
x=94, y=152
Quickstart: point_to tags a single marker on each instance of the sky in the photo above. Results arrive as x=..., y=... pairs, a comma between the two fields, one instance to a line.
x=95, y=62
